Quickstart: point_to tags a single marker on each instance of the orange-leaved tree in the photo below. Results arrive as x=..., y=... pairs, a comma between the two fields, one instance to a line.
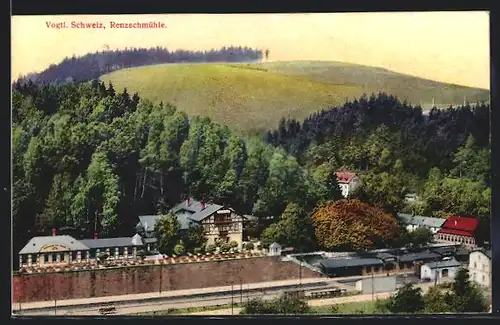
x=353, y=225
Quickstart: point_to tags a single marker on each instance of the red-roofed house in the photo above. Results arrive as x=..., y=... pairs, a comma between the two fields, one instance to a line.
x=458, y=230
x=347, y=182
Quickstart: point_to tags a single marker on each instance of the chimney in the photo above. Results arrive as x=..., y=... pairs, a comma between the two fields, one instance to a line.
x=95, y=235
x=53, y=231
x=187, y=202
x=202, y=205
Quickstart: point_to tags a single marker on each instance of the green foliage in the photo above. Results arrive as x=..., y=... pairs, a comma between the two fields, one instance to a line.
x=195, y=237
x=263, y=97
x=465, y=296
x=293, y=229
x=167, y=233
x=179, y=248
x=102, y=257
x=407, y=300
x=249, y=246
x=211, y=249
x=420, y=237
x=233, y=244
x=141, y=254
x=282, y=305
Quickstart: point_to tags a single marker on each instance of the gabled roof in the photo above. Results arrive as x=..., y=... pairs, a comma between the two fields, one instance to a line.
x=486, y=252
x=444, y=264
x=148, y=222
x=461, y=224
x=36, y=243
x=109, y=242
x=275, y=245
x=421, y=220
x=196, y=209
x=344, y=177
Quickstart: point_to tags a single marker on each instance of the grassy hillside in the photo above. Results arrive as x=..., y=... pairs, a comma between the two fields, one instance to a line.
x=251, y=97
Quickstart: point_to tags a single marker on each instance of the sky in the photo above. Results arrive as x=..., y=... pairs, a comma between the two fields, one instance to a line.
x=443, y=46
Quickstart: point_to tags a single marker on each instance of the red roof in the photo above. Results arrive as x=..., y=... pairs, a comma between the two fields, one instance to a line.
x=344, y=177
x=462, y=224
x=455, y=232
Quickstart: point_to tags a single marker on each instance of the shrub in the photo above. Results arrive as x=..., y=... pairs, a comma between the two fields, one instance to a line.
x=211, y=249
x=249, y=246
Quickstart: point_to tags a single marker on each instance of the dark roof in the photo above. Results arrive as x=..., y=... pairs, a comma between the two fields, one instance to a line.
x=384, y=256
x=198, y=210
x=108, y=242
x=148, y=222
x=486, y=252
x=447, y=250
x=352, y=262
x=444, y=264
x=36, y=243
x=425, y=255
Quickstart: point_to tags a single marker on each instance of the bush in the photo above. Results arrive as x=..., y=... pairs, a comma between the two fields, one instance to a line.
x=210, y=249
x=224, y=248
x=141, y=254
x=198, y=250
x=233, y=244
x=102, y=257
x=179, y=249
x=259, y=247
x=249, y=246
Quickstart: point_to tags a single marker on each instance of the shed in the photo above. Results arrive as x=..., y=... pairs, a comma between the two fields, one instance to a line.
x=274, y=249
x=376, y=284
x=348, y=266
x=445, y=269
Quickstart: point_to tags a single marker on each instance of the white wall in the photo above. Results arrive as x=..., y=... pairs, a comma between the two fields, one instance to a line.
x=480, y=268
x=427, y=272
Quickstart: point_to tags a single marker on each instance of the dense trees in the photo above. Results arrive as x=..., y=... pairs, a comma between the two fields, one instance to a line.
x=93, y=65
x=282, y=305
x=459, y=296
x=94, y=158
x=348, y=225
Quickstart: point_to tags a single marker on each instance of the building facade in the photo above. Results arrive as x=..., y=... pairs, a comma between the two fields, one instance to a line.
x=480, y=267
x=413, y=222
x=59, y=250
x=347, y=182
x=440, y=270
x=219, y=223
x=458, y=230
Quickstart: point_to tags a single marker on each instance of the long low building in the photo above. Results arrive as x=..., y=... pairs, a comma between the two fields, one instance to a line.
x=51, y=250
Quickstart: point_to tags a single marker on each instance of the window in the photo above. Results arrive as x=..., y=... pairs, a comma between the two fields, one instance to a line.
x=484, y=267
x=74, y=256
x=121, y=251
x=475, y=265
x=129, y=250
x=484, y=278
x=46, y=258
x=33, y=258
x=444, y=273
x=93, y=253
x=24, y=259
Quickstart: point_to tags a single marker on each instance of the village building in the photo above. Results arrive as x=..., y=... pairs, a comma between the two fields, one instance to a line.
x=218, y=222
x=413, y=222
x=458, y=230
x=440, y=270
x=480, y=267
x=56, y=250
x=347, y=182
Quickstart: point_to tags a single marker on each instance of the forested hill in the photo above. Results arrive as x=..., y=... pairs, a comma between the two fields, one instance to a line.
x=93, y=65
x=85, y=154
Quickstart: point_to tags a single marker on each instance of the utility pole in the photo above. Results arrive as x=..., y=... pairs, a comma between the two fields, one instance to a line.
x=373, y=287
x=232, y=298
x=55, y=306
x=436, y=272
x=161, y=274
x=241, y=292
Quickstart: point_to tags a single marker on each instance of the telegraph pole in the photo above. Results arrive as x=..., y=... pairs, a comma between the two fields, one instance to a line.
x=373, y=287
x=161, y=274
x=232, y=298
x=241, y=292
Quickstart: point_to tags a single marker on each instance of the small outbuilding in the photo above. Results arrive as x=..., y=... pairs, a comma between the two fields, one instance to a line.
x=445, y=269
x=274, y=249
